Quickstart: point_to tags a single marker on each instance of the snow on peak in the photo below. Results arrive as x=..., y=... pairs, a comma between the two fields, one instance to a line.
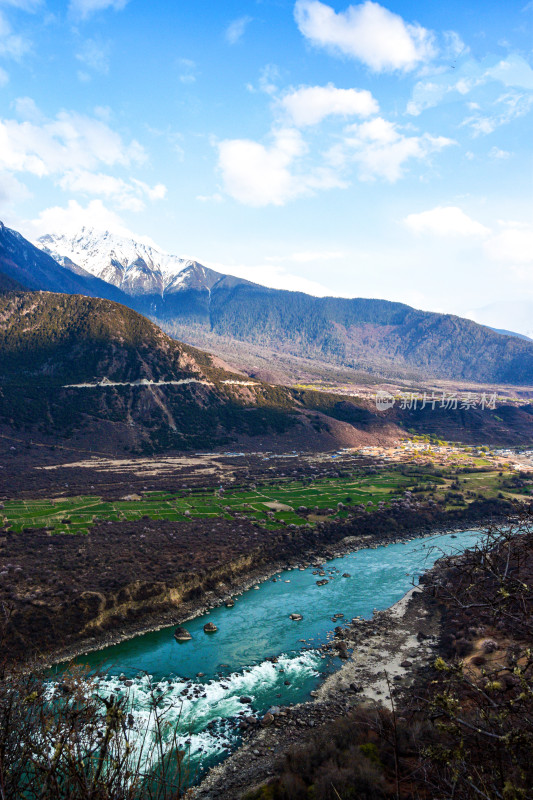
x=133, y=266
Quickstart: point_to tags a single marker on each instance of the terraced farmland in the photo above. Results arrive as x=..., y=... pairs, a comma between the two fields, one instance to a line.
x=271, y=505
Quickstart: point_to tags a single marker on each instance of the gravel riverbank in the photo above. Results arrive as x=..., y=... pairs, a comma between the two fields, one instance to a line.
x=383, y=656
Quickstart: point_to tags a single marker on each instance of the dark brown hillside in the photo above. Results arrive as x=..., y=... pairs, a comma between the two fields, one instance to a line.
x=100, y=376
x=50, y=344
x=7, y=284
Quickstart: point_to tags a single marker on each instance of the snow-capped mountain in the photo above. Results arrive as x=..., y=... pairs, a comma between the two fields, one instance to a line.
x=134, y=267
x=31, y=268
x=388, y=339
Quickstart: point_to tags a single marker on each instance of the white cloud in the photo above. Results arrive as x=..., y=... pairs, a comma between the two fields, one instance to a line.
x=27, y=109
x=12, y=191
x=269, y=77
x=286, y=168
x=445, y=221
x=259, y=175
x=367, y=32
x=71, y=149
x=83, y=9
x=157, y=192
x=127, y=195
x=513, y=245
x=4, y=78
x=382, y=150
x=495, y=152
x=95, y=56
x=70, y=219
x=83, y=182
x=216, y=197
x=270, y=74
x=236, y=29
x=507, y=244
x=11, y=44
x=514, y=71
x=309, y=105
x=275, y=276
x=71, y=141
x=508, y=107
x=454, y=44
x=308, y=256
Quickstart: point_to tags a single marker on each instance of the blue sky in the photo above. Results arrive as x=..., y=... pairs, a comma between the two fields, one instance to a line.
x=357, y=150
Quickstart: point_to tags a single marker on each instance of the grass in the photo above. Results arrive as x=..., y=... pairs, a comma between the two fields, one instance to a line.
x=79, y=514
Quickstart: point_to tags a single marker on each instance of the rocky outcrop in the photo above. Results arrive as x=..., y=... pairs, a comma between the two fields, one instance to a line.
x=210, y=627
x=182, y=635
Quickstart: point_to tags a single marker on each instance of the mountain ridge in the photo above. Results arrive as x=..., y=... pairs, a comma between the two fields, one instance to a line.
x=134, y=267
x=34, y=269
x=90, y=374
x=379, y=337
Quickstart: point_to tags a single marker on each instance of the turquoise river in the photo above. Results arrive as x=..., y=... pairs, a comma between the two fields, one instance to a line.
x=234, y=660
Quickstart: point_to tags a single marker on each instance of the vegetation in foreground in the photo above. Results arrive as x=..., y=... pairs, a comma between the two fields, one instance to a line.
x=73, y=744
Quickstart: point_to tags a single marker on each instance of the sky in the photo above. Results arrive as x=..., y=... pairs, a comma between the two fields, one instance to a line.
x=361, y=150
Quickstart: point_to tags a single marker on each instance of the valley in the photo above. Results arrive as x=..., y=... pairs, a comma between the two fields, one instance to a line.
x=119, y=544
x=266, y=400
x=305, y=469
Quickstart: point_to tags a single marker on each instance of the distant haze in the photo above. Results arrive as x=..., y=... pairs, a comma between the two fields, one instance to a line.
x=511, y=315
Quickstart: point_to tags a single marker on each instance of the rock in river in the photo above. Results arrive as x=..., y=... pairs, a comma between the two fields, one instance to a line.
x=296, y=617
x=210, y=627
x=182, y=635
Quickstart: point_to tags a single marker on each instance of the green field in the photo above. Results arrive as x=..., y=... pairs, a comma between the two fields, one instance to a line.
x=78, y=514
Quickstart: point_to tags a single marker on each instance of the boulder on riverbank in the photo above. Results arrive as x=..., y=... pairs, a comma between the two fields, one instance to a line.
x=182, y=635
x=342, y=649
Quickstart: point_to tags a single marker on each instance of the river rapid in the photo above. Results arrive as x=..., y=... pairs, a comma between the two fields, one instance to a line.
x=205, y=685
